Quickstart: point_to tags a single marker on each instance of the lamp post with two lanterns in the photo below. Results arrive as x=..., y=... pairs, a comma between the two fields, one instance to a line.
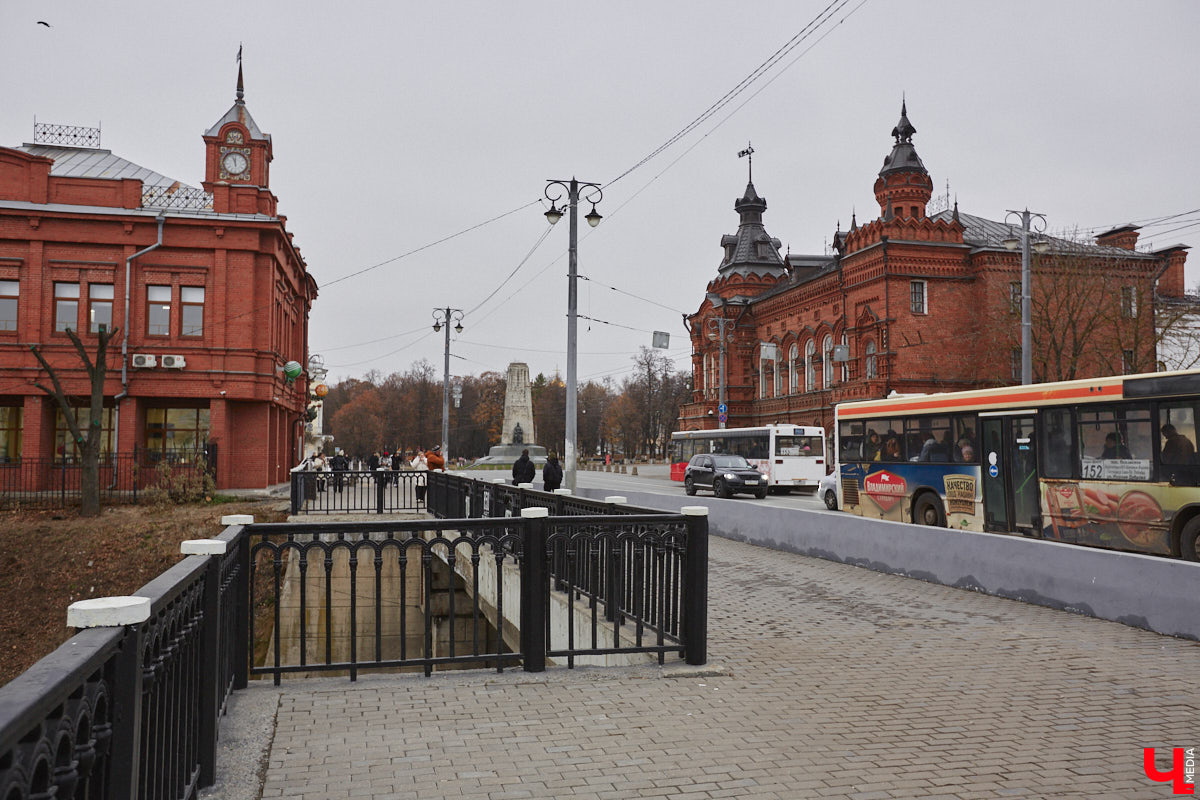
x=592, y=193
x=442, y=317
x=1020, y=238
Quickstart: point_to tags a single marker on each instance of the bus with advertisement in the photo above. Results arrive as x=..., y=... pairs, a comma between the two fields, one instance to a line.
x=791, y=456
x=1104, y=462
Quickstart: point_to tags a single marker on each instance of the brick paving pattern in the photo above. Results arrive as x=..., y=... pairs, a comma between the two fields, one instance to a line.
x=832, y=681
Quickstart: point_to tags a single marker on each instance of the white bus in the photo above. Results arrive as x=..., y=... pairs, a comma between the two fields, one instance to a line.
x=789, y=455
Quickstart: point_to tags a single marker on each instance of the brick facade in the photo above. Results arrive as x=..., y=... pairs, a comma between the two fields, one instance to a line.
x=922, y=302
x=62, y=224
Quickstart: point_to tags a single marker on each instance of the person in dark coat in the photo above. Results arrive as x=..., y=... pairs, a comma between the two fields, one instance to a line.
x=552, y=473
x=523, y=469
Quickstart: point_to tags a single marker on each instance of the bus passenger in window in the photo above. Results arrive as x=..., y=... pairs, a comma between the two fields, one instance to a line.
x=1177, y=449
x=872, y=447
x=1114, y=449
x=891, y=452
x=968, y=453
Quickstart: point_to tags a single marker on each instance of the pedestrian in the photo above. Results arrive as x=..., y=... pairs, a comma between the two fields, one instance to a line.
x=420, y=466
x=318, y=465
x=340, y=464
x=552, y=473
x=373, y=461
x=435, y=460
x=523, y=470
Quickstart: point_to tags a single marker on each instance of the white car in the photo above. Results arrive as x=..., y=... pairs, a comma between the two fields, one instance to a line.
x=827, y=489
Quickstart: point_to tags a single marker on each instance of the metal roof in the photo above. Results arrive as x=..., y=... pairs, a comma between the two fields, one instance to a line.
x=979, y=232
x=240, y=114
x=88, y=162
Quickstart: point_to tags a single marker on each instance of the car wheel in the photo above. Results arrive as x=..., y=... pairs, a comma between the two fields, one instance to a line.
x=928, y=511
x=760, y=494
x=689, y=486
x=1189, y=547
x=720, y=489
x=831, y=499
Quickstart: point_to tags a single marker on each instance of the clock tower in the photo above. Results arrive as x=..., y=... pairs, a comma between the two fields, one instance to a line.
x=237, y=160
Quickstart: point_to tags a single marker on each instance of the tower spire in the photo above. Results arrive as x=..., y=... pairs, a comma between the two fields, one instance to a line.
x=749, y=154
x=240, y=88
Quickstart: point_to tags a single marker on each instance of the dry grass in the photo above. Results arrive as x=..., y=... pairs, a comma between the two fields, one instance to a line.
x=49, y=559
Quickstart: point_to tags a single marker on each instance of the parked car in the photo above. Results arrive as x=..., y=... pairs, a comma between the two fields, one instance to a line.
x=726, y=475
x=827, y=489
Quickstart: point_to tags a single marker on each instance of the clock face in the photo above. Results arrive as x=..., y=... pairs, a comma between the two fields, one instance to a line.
x=235, y=163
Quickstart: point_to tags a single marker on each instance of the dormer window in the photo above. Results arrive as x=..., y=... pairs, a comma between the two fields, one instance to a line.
x=729, y=252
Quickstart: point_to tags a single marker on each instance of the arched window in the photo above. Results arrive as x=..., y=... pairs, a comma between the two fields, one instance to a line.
x=778, y=367
x=793, y=374
x=845, y=364
x=869, y=371
x=827, y=360
x=810, y=365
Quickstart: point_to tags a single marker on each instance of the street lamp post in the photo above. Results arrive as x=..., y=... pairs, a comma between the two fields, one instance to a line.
x=443, y=317
x=1041, y=245
x=716, y=332
x=555, y=190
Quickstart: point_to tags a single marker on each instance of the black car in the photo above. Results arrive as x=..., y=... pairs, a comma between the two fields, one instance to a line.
x=724, y=474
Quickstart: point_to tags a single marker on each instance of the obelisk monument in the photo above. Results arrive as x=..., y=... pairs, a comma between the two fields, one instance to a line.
x=518, y=407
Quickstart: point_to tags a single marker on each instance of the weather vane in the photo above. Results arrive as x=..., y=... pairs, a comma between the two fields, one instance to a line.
x=749, y=154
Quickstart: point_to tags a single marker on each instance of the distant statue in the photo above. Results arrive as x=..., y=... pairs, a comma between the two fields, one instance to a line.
x=518, y=435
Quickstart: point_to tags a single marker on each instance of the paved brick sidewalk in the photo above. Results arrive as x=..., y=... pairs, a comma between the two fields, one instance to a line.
x=838, y=682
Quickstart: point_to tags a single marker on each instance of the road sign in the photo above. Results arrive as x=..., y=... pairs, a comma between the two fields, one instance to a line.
x=721, y=409
x=722, y=417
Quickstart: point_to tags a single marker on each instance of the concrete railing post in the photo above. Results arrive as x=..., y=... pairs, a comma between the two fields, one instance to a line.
x=695, y=586
x=534, y=590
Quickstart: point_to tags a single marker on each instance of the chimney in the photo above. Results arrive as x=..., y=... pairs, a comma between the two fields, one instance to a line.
x=1123, y=236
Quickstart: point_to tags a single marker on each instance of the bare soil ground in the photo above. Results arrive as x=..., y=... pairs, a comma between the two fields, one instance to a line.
x=49, y=559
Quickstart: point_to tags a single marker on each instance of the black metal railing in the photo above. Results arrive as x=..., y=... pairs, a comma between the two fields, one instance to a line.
x=357, y=491
x=431, y=594
x=124, y=477
x=131, y=711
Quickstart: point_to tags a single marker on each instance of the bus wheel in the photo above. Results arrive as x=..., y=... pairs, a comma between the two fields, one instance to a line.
x=928, y=511
x=689, y=486
x=1189, y=547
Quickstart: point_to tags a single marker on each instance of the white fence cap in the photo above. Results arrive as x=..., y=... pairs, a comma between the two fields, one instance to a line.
x=237, y=519
x=203, y=547
x=616, y=498
x=108, y=612
x=694, y=511
x=536, y=512
x=499, y=480
x=525, y=485
x=562, y=491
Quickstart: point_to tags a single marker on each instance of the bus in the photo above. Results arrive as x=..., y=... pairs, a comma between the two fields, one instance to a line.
x=789, y=455
x=1104, y=462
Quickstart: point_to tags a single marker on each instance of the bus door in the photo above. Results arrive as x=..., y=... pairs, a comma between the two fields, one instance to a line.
x=1010, y=481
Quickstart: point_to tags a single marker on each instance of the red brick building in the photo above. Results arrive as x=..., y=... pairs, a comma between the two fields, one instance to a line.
x=913, y=302
x=209, y=292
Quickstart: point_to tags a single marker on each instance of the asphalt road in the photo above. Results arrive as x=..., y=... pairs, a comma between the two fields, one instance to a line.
x=656, y=480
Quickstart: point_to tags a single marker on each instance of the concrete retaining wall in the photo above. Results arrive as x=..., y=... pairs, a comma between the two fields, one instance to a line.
x=1162, y=595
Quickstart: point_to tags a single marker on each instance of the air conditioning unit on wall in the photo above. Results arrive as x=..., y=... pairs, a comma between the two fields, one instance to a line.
x=173, y=362
x=144, y=361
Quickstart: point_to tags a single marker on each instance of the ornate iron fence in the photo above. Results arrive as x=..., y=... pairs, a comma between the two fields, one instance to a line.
x=177, y=197
x=132, y=711
x=357, y=491
x=124, y=478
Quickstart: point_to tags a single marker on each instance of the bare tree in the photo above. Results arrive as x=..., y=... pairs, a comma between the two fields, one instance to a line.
x=89, y=445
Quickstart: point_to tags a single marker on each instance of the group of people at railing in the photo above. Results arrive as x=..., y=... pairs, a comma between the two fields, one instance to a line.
x=339, y=469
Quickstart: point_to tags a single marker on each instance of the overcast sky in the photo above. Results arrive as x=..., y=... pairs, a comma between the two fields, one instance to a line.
x=398, y=124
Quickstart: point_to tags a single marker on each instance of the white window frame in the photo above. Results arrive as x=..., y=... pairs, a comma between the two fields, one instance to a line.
x=827, y=360
x=793, y=374
x=810, y=366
